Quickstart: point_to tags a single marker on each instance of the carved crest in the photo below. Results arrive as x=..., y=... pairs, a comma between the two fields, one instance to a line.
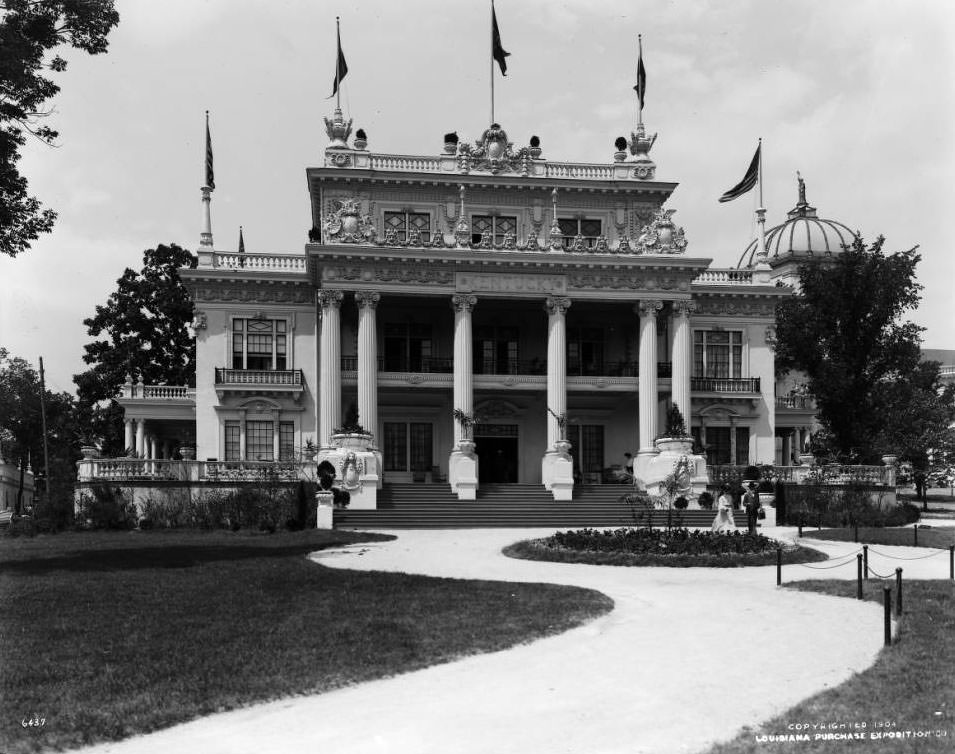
x=494, y=153
x=347, y=224
x=661, y=236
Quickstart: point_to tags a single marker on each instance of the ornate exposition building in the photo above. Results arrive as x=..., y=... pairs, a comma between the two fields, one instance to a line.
x=494, y=315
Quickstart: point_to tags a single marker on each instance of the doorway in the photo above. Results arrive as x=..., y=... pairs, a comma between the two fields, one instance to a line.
x=498, y=460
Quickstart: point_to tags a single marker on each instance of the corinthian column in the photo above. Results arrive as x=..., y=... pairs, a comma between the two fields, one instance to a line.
x=648, y=373
x=463, y=361
x=367, y=360
x=556, y=307
x=330, y=374
x=682, y=350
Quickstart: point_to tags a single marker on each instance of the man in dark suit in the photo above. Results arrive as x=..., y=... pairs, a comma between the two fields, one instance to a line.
x=751, y=505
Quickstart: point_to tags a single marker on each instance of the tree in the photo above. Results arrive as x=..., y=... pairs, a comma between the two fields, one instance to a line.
x=29, y=29
x=843, y=330
x=21, y=421
x=146, y=323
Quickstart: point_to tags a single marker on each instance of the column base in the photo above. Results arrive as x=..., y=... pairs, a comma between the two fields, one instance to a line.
x=463, y=470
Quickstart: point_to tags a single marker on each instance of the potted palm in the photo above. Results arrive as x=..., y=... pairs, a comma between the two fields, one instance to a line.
x=675, y=438
x=351, y=434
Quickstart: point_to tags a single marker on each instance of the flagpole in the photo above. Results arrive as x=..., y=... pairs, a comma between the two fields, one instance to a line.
x=639, y=98
x=761, y=210
x=338, y=52
x=492, y=61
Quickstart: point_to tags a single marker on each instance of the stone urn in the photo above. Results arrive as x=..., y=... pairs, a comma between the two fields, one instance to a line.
x=188, y=452
x=562, y=447
x=352, y=440
x=807, y=459
x=889, y=460
x=89, y=451
x=678, y=445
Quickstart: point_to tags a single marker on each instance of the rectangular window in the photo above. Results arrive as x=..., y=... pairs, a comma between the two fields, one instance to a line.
x=259, y=344
x=259, y=441
x=405, y=222
x=717, y=353
x=496, y=350
x=396, y=446
x=232, y=442
x=742, y=446
x=587, y=448
x=571, y=227
x=497, y=226
x=585, y=351
x=421, y=446
x=718, y=446
x=286, y=441
x=408, y=347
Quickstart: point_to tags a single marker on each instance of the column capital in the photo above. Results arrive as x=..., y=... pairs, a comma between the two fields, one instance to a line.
x=463, y=302
x=684, y=308
x=329, y=298
x=557, y=304
x=367, y=299
x=648, y=307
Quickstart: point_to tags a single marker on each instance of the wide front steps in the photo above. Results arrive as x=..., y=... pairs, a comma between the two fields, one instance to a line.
x=433, y=506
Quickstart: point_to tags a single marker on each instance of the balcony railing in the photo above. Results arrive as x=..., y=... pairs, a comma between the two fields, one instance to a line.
x=139, y=470
x=258, y=376
x=725, y=384
x=796, y=402
x=510, y=367
x=137, y=390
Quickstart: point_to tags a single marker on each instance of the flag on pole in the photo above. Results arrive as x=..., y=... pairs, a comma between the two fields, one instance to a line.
x=497, y=50
x=341, y=67
x=241, y=241
x=641, y=87
x=210, y=176
x=749, y=180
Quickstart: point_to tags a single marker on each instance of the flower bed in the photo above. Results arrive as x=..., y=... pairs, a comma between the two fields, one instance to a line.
x=660, y=547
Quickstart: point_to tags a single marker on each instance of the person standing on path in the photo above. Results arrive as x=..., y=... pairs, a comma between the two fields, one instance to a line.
x=751, y=506
x=724, y=512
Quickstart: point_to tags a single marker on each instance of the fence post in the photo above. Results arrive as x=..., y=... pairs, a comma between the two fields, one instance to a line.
x=859, y=577
x=915, y=531
x=865, y=562
x=887, y=613
x=898, y=589
x=856, y=532
x=779, y=566
x=951, y=562
x=800, y=529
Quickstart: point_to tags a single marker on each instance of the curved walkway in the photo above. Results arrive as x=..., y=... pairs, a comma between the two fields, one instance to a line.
x=668, y=670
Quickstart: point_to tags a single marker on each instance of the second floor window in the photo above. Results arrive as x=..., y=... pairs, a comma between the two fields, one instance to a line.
x=407, y=347
x=585, y=350
x=717, y=353
x=498, y=226
x=259, y=344
x=495, y=350
x=403, y=222
x=571, y=227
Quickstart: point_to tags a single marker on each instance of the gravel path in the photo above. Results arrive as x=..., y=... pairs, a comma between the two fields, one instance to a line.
x=667, y=670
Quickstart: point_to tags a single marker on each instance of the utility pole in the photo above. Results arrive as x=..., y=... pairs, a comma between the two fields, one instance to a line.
x=46, y=450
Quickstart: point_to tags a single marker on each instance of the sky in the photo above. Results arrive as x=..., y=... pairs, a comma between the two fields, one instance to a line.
x=857, y=95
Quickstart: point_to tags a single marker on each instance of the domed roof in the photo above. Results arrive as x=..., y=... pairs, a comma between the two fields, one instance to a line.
x=802, y=235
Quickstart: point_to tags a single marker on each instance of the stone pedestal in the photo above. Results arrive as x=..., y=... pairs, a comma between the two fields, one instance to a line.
x=463, y=470
x=325, y=510
x=651, y=469
x=356, y=472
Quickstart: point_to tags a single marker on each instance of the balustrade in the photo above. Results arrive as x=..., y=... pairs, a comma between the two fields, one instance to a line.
x=258, y=376
x=725, y=384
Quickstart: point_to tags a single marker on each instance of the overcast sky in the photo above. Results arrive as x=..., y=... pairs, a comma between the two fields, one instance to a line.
x=857, y=95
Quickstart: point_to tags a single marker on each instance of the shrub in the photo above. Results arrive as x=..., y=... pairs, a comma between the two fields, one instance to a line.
x=22, y=526
x=675, y=541
x=705, y=500
x=680, y=503
x=105, y=507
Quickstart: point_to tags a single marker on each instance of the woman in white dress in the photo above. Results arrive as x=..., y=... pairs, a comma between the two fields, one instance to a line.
x=724, y=512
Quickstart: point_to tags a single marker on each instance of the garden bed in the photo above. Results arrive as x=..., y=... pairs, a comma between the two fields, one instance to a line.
x=676, y=548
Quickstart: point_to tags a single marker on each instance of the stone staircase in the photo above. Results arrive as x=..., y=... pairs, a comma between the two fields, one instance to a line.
x=433, y=506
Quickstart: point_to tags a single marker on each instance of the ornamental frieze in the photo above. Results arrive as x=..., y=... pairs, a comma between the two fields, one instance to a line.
x=257, y=293
x=726, y=307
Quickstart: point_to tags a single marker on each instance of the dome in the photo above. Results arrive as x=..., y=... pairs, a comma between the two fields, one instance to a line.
x=802, y=235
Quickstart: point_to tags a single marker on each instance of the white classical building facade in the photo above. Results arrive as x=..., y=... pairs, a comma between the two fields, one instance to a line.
x=481, y=308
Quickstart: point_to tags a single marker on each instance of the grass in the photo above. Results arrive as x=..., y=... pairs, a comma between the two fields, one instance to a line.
x=937, y=537
x=909, y=686
x=106, y=635
x=540, y=549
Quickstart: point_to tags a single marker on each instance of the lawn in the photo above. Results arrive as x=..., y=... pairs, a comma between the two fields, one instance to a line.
x=105, y=635
x=938, y=537
x=908, y=691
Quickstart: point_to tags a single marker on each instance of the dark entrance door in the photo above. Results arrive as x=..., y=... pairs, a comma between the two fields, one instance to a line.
x=498, y=460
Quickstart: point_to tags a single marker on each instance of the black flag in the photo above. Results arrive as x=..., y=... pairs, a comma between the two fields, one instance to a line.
x=497, y=51
x=749, y=180
x=341, y=67
x=210, y=175
x=641, y=87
